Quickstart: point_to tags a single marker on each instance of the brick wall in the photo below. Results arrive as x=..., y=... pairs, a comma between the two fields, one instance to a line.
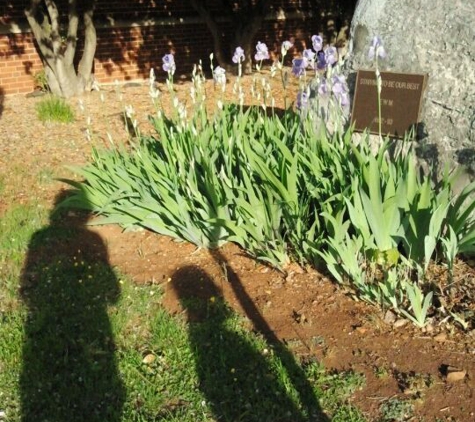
x=19, y=61
x=129, y=44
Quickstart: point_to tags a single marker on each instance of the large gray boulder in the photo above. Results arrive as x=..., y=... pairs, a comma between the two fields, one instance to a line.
x=433, y=37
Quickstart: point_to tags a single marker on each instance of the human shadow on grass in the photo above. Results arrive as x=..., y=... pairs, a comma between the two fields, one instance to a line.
x=69, y=370
x=240, y=379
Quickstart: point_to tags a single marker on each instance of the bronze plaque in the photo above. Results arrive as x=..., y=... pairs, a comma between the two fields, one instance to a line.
x=401, y=98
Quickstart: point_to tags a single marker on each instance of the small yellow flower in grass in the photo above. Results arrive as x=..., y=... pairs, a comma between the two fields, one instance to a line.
x=233, y=370
x=212, y=299
x=121, y=281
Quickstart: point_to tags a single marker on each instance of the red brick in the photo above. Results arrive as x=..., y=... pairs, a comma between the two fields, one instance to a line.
x=128, y=53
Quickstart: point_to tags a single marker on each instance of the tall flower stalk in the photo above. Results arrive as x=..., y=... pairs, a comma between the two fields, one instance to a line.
x=376, y=51
x=239, y=58
x=286, y=46
x=169, y=67
x=262, y=53
x=219, y=76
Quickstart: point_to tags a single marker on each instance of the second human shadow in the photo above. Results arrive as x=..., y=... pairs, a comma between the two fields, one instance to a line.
x=241, y=381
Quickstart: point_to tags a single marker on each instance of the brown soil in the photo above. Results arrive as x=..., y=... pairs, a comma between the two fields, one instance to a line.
x=302, y=309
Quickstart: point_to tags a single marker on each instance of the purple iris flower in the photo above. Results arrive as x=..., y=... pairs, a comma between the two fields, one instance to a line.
x=262, y=52
x=302, y=100
x=376, y=49
x=323, y=87
x=287, y=45
x=331, y=55
x=309, y=55
x=169, y=63
x=238, y=55
x=343, y=99
x=219, y=76
x=321, y=60
x=317, y=42
x=299, y=66
x=340, y=90
x=339, y=79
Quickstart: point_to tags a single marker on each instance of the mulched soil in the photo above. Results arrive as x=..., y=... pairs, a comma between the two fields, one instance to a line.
x=301, y=308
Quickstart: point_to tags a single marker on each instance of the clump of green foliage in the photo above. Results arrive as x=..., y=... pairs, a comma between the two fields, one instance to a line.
x=286, y=189
x=396, y=410
x=41, y=81
x=54, y=109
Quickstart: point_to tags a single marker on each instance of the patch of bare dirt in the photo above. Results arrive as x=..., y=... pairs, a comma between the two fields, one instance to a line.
x=302, y=309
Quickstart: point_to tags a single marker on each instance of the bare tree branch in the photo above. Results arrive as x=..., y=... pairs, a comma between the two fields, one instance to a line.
x=90, y=43
x=39, y=33
x=33, y=9
x=54, y=19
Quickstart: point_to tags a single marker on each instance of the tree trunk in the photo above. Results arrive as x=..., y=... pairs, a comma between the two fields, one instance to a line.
x=87, y=60
x=58, y=55
x=213, y=27
x=245, y=40
x=246, y=21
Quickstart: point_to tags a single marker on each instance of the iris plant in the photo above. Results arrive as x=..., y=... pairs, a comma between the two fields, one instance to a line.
x=317, y=43
x=262, y=52
x=238, y=56
x=286, y=46
x=331, y=55
x=169, y=64
x=340, y=90
x=219, y=76
x=299, y=66
x=302, y=99
x=309, y=54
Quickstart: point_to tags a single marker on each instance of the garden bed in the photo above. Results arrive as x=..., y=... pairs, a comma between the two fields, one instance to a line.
x=302, y=309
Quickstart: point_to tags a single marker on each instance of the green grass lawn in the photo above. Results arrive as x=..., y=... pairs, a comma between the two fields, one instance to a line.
x=80, y=342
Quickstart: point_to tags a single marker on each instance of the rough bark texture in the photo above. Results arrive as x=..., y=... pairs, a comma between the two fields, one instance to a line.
x=57, y=53
x=437, y=38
